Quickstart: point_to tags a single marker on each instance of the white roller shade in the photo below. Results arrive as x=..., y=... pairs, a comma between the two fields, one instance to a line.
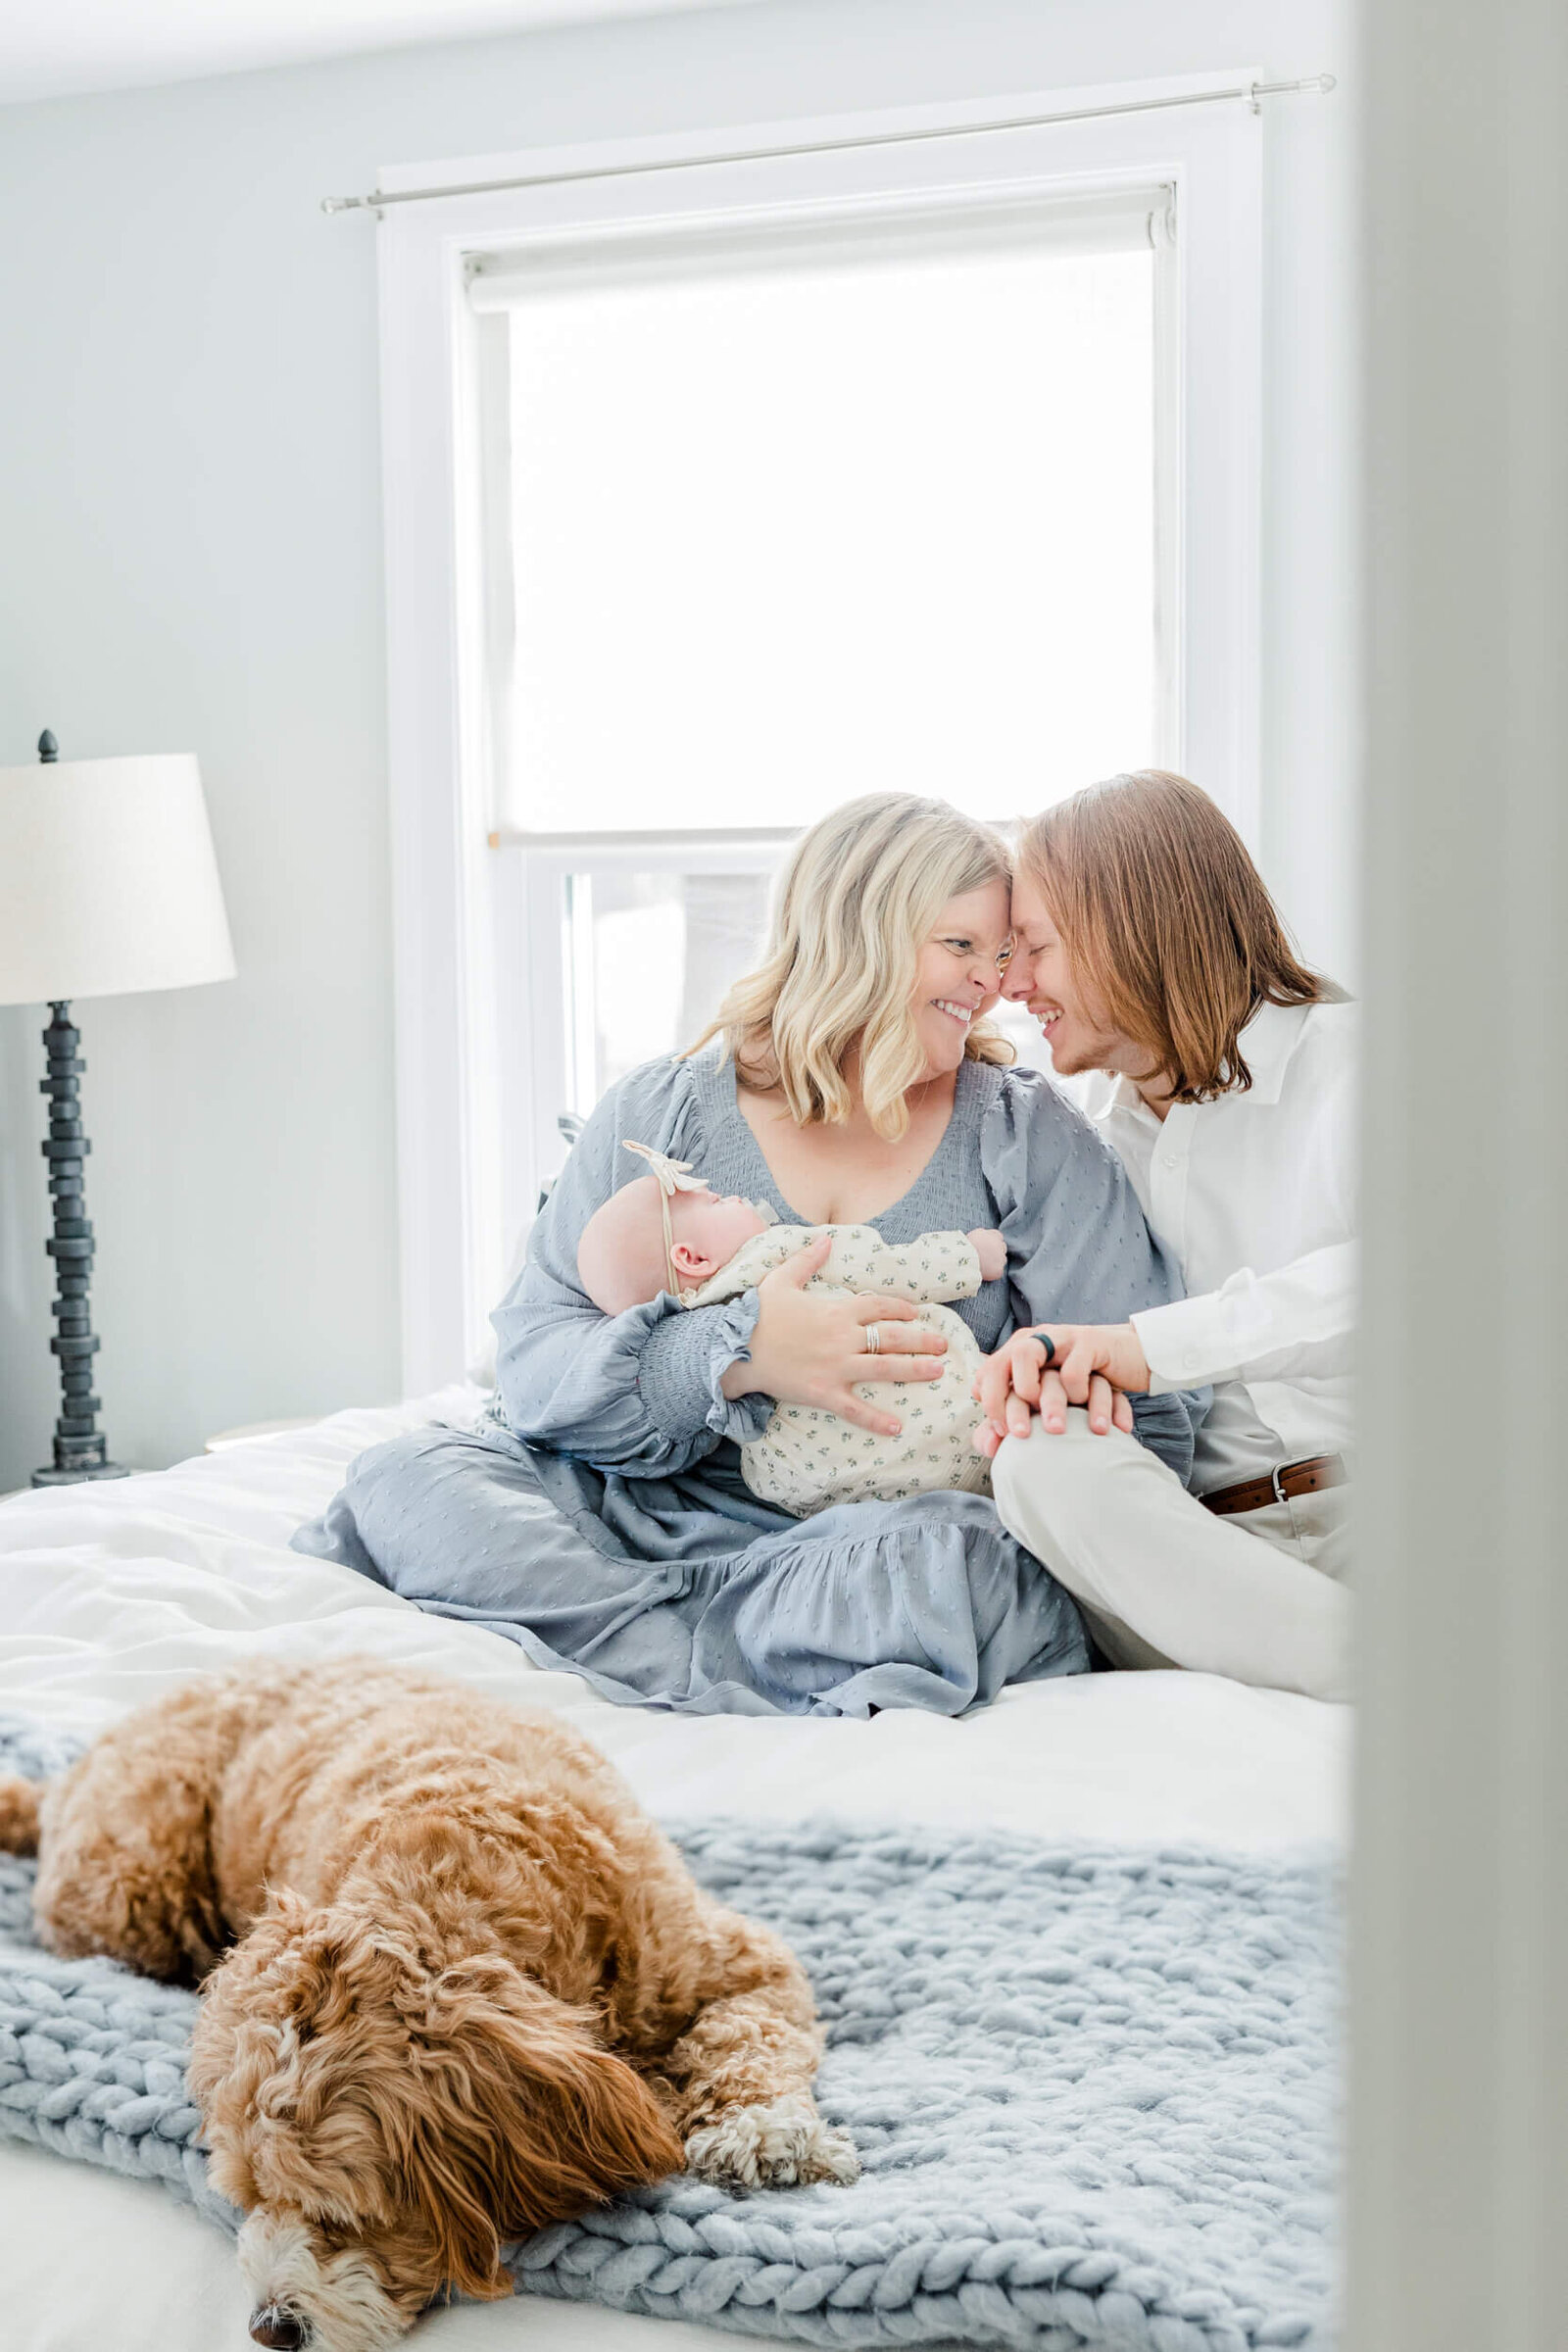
x=1118, y=220
x=787, y=515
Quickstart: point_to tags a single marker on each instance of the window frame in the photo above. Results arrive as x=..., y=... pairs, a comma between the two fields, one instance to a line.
x=469, y=1101
x=534, y=1082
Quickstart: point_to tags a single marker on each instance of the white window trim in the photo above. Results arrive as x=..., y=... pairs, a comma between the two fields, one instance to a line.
x=533, y=1081
x=452, y=1104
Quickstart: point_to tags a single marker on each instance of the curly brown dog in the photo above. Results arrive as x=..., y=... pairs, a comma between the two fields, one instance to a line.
x=455, y=1985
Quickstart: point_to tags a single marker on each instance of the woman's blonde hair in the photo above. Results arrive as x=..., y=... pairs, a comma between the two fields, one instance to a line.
x=1167, y=922
x=855, y=908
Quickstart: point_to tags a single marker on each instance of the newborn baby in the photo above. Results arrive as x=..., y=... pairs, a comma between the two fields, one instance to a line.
x=666, y=1231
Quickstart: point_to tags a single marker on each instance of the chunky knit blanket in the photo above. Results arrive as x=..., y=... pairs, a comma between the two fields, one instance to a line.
x=1092, y=2093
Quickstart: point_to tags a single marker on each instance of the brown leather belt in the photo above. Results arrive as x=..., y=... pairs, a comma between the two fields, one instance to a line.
x=1281, y=1486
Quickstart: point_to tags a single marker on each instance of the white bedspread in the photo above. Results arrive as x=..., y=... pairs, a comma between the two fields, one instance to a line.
x=110, y=1595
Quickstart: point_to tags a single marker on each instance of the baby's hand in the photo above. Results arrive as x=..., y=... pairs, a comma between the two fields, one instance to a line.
x=991, y=1252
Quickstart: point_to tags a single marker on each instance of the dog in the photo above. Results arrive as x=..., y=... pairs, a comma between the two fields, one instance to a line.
x=454, y=1983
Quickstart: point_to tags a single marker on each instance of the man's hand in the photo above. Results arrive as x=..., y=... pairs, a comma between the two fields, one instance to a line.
x=1093, y=1364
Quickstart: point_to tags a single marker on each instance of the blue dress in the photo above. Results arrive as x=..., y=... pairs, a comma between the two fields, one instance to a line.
x=599, y=1517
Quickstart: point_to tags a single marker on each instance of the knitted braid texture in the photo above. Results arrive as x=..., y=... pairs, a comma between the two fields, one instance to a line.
x=1091, y=2091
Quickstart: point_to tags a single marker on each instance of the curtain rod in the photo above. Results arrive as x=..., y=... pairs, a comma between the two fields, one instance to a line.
x=1315, y=85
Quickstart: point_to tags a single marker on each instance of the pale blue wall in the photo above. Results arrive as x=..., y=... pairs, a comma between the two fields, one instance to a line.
x=190, y=560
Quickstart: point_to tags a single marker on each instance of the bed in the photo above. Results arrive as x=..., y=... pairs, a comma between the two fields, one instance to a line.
x=110, y=1594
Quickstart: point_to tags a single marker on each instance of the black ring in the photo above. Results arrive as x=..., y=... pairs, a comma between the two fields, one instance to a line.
x=1042, y=1340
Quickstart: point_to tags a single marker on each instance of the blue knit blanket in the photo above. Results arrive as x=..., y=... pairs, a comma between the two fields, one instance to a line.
x=1091, y=2089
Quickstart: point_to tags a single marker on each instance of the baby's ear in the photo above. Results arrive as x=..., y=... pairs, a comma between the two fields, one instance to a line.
x=691, y=1265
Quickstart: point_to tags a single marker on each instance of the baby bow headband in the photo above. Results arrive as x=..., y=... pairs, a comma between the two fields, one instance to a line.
x=671, y=1176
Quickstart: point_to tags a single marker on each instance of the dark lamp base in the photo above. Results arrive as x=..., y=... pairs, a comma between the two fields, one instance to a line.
x=80, y=1447
x=75, y=1478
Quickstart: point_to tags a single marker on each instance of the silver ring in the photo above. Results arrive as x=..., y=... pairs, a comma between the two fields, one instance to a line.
x=872, y=1341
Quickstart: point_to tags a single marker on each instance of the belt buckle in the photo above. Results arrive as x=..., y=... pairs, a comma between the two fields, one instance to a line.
x=1276, y=1478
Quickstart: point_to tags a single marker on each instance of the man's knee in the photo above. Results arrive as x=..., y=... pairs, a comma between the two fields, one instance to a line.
x=1044, y=1480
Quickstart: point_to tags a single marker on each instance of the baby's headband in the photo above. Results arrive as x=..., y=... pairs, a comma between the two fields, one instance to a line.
x=671, y=1176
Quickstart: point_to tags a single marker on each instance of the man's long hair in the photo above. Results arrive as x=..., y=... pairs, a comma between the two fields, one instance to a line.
x=1168, y=927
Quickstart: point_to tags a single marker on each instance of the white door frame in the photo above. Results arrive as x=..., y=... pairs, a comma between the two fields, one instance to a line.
x=1459, y=1949
x=450, y=1119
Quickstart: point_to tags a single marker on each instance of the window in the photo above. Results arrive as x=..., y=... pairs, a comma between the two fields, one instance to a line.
x=773, y=518
x=634, y=942
x=788, y=517
x=882, y=452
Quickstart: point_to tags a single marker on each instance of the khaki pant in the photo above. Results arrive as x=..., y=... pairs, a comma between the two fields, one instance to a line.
x=1164, y=1582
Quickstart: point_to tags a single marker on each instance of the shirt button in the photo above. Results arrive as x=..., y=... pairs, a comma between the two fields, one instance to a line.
x=1167, y=1160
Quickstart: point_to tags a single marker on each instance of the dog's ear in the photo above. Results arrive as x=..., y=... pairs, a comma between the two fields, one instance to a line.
x=229, y=2002
x=241, y=2059
x=517, y=2116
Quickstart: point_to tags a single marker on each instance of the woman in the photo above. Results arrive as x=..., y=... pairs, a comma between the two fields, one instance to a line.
x=1151, y=952
x=604, y=1522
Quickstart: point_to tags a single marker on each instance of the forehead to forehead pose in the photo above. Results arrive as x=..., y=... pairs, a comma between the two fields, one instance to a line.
x=1222, y=1071
x=850, y=1079
x=1148, y=938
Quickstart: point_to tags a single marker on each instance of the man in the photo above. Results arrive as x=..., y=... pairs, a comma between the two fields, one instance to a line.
x=1152, y=954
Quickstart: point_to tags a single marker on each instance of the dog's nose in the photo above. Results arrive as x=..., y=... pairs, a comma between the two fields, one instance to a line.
x=284, y=2330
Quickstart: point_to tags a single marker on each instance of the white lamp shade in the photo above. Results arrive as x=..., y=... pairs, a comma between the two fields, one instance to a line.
x=108, y=882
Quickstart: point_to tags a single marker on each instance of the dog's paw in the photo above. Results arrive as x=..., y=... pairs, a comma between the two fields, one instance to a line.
x=781, y=2143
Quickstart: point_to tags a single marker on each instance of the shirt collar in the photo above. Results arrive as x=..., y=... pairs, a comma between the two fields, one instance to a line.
x=1267, y=1045
x=1267, y=1042
x=1106, y=1091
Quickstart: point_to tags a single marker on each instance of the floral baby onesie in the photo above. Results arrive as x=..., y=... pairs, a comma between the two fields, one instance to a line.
x=807, y=1461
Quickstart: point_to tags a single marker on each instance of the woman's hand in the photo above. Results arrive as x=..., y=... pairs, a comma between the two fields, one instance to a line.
x=810, y=1351
x=1095, y=1364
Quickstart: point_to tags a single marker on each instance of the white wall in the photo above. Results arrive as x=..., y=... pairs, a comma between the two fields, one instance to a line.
x=190, y=560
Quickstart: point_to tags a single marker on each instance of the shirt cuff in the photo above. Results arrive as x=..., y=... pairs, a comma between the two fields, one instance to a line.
x=1187, y=1345
x=684, y=1359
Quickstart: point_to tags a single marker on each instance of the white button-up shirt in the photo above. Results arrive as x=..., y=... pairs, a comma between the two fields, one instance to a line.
x=1256, y=1194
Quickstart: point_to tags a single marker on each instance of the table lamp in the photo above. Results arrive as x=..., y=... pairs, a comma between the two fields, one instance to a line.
x=108, y=886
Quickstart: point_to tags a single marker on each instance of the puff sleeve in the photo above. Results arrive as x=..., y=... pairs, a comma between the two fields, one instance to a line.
x=638, y=1393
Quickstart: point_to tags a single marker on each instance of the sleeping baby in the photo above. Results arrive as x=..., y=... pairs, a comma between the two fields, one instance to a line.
x=666, y=1231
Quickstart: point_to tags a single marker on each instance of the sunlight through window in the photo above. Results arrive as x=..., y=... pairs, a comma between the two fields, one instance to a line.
x=783, y=533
